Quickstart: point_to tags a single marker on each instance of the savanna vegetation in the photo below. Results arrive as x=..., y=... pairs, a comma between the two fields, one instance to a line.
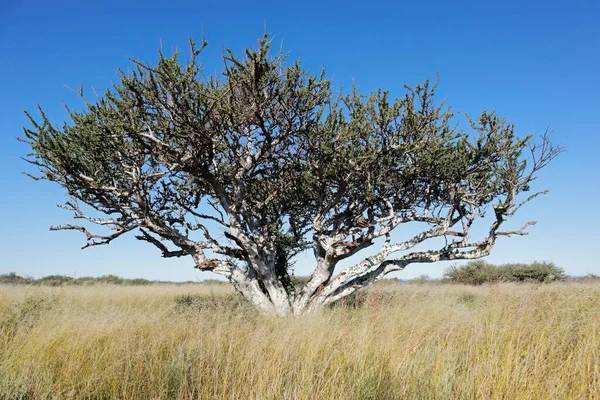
x=472, y=273
x=392, y=341
x=13, y=278
x=479, y=272
x=243, y=170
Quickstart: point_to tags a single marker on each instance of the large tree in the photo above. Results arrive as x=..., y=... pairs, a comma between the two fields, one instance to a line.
x=244, y=170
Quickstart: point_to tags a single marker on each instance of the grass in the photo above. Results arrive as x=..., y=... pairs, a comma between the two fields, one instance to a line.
x=396, y=341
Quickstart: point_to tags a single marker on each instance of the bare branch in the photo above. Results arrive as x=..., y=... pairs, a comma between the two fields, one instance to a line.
x=103, y=239
x=145, y=236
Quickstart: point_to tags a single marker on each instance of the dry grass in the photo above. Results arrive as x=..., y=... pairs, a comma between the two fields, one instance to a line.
x=397, y=341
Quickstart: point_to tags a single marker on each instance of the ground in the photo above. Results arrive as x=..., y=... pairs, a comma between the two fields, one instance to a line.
x=396, y=341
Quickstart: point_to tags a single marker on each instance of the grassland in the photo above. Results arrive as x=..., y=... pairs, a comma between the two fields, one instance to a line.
x=396, y=341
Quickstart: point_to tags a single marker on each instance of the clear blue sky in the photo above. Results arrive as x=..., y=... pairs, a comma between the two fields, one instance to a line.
x=535, y=62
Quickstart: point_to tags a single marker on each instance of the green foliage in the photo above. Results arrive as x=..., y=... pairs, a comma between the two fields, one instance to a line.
x=479, y=272
x=55, y=280
x=535, y=272
x=472, y=273
x=277, y=157
x=62, y=280
x=13, y=279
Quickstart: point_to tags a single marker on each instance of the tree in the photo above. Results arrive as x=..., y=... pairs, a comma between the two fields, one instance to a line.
x=243, y=171
x=479, y=272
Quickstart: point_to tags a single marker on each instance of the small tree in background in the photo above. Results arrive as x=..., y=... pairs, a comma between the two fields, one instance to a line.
x=473, y=273
x=534, y=272
x=479, y=272
x=243, y=171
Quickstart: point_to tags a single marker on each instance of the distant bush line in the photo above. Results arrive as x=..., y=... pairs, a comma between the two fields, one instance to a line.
x=479, y=272
x=59, y=280
x=472, y=273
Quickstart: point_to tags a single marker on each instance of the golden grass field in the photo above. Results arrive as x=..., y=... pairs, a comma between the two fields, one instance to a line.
x=397, y=341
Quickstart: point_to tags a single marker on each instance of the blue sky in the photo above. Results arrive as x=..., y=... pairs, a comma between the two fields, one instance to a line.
x=535, y=62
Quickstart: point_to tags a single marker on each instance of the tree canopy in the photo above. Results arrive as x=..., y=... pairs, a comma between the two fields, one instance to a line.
x=244, y=170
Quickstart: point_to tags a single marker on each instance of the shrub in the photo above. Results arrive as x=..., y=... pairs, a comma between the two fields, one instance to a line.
x=472, y=273
x=61, y=280
x=479, y=272
x=54, y=280
x=138, y=282
x=110, y=279
x=13, y=279
x=534, y=272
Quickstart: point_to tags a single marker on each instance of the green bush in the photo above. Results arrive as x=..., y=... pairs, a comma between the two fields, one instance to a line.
x=479, y=272
x=13, y=279
x=472, y=273
x=61, y=280
x=536, y=272
x=110, y=279
x=54, y=280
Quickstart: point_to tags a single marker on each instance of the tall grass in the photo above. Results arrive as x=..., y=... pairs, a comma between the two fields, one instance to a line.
x=397, y=341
